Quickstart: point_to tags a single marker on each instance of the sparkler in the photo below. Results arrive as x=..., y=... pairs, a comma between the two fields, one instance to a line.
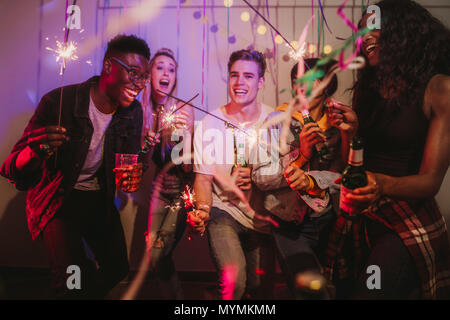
x=168, y=120
x=295, y=54
x=188, y=198
x=227, y=123
x=64, y=52
x=268, y=22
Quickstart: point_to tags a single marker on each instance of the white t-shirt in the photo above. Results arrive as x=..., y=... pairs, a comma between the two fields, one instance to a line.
x=214, y=154
x=100, y=121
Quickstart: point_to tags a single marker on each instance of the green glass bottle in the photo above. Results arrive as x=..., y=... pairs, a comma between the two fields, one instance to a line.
x=354, y=175
x=239, y=150
x=321, y=148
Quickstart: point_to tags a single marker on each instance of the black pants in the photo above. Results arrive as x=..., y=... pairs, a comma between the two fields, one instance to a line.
x=83, y=220
x=399, y=277
x=300, y=249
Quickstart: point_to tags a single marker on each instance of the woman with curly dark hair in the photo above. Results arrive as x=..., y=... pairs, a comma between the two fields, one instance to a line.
x=402, y=105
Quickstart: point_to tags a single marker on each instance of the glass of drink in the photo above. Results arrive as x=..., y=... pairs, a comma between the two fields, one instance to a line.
x=123, y=163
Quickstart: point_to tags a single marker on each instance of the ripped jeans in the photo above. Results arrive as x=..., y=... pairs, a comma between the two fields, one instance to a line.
x=168, y=223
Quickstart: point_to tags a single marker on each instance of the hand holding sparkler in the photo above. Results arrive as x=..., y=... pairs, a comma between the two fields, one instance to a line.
x=169, y=120
x=198, y=219
x=46, y=140
x=173, y=120
x=197, y=216
x=151, y=139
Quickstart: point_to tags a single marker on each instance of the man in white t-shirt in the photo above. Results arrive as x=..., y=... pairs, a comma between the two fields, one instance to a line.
x=238, y=235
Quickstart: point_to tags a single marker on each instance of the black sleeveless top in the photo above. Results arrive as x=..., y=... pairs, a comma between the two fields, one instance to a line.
x=394, y=138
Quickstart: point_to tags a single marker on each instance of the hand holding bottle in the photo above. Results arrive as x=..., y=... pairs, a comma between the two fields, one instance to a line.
x=242, y=174
x=354, y=178
x=363, y=197
x=320, y=146
x=310, y=135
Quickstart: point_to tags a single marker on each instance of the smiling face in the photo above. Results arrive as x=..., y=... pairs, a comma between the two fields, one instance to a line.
x=119, y=88
x=163, y=75
x=244, y=82
x=371, y=47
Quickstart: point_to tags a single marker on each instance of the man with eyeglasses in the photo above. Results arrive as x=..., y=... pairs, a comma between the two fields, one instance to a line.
x=68, y=170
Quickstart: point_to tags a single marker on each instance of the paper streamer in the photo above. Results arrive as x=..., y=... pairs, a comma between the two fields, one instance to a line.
x=203, y=52
x=342, y=63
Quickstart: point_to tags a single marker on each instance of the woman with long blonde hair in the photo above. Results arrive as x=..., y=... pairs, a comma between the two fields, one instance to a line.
x=167, y=217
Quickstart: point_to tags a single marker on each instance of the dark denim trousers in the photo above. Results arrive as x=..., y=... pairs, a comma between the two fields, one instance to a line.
x=301, y=247
x=83, y=220
x=244, y=258
x=168, y=222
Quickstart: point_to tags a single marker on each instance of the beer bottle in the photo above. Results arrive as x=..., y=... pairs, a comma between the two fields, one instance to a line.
x=354, y=175
x=321, y=148
x=239, y=150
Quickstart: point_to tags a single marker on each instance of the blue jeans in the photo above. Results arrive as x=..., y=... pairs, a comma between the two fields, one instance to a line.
x=244, y=258
x=301, y=247
x=168, y=222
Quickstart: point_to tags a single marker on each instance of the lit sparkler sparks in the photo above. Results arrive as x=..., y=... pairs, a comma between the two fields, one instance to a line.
x=64, y=52
x=297, y=54
x=188, y=197
x=169, y=119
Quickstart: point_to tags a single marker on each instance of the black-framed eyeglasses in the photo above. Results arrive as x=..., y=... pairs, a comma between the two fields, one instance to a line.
x=134, y=75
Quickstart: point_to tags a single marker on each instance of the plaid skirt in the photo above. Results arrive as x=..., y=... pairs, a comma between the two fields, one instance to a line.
x=422, y=229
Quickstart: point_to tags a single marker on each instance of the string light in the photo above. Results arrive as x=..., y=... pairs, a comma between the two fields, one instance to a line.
x=278, y=39
x=245, y=16
x=327, y=49
x=228, y=3
x=262, y=29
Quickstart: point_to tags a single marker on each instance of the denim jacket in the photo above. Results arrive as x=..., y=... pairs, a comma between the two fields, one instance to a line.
x=268, y=175
x=49, y=186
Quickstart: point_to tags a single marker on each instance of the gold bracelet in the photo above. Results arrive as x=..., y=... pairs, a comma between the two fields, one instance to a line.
x=311, y=183
x=313, y=189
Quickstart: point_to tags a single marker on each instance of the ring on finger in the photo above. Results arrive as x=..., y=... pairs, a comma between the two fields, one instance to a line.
x=45, y=147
